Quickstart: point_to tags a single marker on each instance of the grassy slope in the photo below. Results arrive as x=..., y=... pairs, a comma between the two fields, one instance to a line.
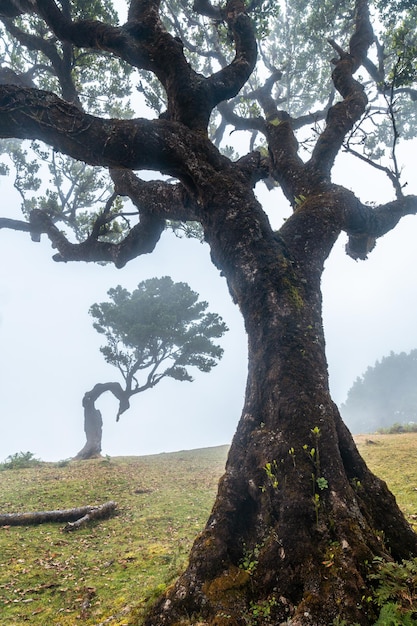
x=394, y=458
x=99, y=574
x=51, y=577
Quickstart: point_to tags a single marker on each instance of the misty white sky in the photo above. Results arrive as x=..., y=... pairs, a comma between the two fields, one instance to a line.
x=50, y=352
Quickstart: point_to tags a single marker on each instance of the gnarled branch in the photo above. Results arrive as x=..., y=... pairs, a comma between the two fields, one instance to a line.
x=37, y=114
x=365, y=224
x=228, y=81
x=343, y=115
x=141, y=239
x=168, y=201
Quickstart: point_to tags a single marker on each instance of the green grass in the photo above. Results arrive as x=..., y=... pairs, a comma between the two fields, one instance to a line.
x=394, y=458
x=51, y=577
x=111, y=568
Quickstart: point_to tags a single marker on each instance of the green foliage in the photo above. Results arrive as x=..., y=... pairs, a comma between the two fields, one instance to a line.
x=73, y=188
x=322, y=483
x=159, y=330
x=300, y=50
x=19, y=460
x=294, y=56
x=319, y=482
x=75, y=193
x=390, y=11
x=250, y=558
x=63, y=462
x=396, y=592
x=384, y=394
x=293, y=47
x=404, y=44
x=260, y=613
x=390, y=615
x=271, y=471
x=394, y=89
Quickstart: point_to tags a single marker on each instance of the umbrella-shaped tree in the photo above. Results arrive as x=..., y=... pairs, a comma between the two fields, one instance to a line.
x=160, y=330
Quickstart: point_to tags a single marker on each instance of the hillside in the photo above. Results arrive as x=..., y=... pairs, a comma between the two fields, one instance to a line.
x=105, y=573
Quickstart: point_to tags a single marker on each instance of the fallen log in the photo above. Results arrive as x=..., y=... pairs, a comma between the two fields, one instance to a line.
x=98, y=512
x=76, y=517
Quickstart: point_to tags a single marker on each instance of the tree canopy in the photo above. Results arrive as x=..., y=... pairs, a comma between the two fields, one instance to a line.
x=297, y=83
x=385, y=394
x=161, y=323
x=160, y=330
x=292, y=73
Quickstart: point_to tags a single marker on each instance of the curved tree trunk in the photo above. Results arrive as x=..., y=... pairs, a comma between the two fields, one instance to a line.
x=93, y=428
x=298, y=516
x=93, y=422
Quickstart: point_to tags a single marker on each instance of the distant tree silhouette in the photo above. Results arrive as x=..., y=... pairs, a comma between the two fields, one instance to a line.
x=158, y=331
x=386, y=393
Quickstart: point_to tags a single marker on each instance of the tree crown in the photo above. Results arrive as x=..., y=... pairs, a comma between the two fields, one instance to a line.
x=159, y=330
x=263, y=68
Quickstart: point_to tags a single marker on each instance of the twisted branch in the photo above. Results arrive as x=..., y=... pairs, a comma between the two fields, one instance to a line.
x=365, y=225
x=343, y=115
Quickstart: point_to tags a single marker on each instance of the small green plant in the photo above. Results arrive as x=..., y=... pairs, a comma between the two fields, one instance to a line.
x=319, y=482
x=396, y=592
x=322, y=483
x=271, y=471
x=291, y=452
x=391, y=615
x=19, y=460
x=260, y=612
x=299, y=200
x=250, y=558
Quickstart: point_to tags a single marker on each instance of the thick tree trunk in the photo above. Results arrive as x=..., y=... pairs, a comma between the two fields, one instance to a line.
x=298, y=516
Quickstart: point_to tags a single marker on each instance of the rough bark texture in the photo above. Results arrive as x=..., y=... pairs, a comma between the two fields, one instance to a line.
x=298, y=517
x=276, y=524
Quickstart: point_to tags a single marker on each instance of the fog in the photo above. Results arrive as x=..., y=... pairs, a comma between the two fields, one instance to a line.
x=50, y=352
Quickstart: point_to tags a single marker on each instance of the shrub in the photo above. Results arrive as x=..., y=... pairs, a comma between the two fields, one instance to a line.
x=19, y=460
x=397, y=428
